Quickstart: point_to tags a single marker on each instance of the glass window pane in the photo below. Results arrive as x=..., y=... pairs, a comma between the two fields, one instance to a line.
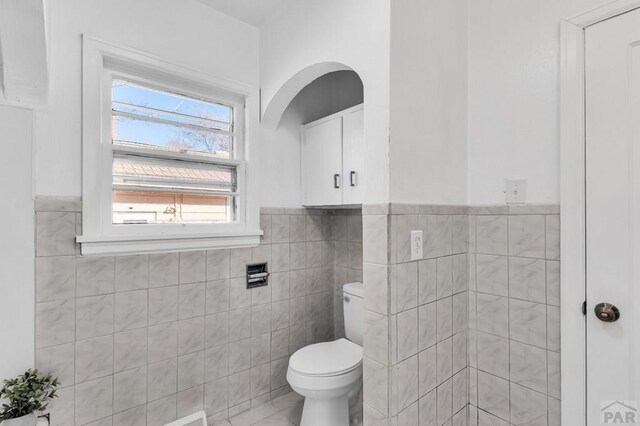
x=131, y=172
x=131, y=207
x=135, y=94
x=130, y=131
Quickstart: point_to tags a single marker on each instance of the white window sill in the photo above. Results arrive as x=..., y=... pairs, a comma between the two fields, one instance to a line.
x=122, y=245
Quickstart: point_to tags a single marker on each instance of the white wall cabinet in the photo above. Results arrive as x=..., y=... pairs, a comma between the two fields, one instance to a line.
x=333, y=159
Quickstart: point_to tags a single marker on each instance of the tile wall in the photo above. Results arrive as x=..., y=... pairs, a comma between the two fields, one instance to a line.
x=144, y=339
x=415, y=366
x=469, y=334
x=514, y=322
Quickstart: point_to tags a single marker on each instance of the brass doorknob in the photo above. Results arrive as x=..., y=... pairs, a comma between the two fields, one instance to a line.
x=607, y=312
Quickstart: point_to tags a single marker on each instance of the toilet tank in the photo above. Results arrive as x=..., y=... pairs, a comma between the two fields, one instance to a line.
x=353, y=304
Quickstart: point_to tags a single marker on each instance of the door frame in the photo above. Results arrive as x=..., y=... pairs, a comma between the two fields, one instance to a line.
x=573, y=207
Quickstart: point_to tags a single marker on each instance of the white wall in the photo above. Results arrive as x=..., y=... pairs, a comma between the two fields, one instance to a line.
x=514, y=52
x=280, y=148
x=185, y=32
x=17, y=291
x=352, y=32
x=428, y=101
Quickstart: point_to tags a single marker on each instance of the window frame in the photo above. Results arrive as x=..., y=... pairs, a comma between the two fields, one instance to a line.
x=102, y=62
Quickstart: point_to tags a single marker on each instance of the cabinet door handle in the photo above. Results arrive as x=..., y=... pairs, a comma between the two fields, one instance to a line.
x=353, y=177
x=336, y=181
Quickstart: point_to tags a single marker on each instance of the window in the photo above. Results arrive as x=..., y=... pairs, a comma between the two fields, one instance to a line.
x=164, y=156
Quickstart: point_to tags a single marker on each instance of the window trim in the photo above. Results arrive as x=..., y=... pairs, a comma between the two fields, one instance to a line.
x=103, y=61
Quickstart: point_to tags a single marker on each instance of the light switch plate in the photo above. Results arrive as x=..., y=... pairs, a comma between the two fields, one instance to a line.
x=416, y=244
x=516, y=191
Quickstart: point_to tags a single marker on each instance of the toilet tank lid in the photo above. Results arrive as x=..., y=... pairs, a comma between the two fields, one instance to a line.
x=354, y=289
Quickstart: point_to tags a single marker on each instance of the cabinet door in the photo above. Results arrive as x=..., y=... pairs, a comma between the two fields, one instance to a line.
x=353, y=156
x=322, y=163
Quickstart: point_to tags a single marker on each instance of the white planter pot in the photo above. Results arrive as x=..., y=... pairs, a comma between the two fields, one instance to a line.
x=28, y=420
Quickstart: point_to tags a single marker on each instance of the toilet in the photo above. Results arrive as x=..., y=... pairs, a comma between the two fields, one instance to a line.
x=329, y=374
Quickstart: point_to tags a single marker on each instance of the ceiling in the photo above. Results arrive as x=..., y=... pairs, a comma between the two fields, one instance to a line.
x=253, y=12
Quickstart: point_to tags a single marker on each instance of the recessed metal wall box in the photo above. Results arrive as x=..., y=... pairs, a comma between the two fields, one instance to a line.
x=257, y=275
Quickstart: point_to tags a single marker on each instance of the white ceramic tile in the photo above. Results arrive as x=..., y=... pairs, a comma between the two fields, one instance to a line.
x=192, y=267
x=59, y=361
x=492, y=274
x=239, y=355
x=217, y=329
x=130, y=310
x=553, y=237
x=314, y=254
x=407, y=333
x=162, y=342
x=94, y=316
x=238, y=260
x=460, y=233
x=444, y=318
x=527, y=279
x=190, y=401
x=260, y=380
x=405, y=224
x=93, y=400
x=95, y=275
x=239, y=387
x=55, y=278
x=493, y=314
x=260, y=319
x=553, y=282
x=162, y=410
x=427, y=327
x=527, y=236
x=162, y=379
x=55, y=233
x=407, y=382
x=406, y=283
x=241, y=320
x=190, y=335
x=528, y=366
x=132, y=272
x=376, y=284
x=280, y=257
x=129, y=389
x=164, y=269
x=460, y=393
x=444, y=401
x=239, y=296
x=444, y=275
x=459, y=342
x=444, y=359
x=553, y=328
x=260, y=349
x=460, y=278
x=491, y=234
x=528, y=407
x=190, y=370
x=427, y=407
x=376, y=337
x=427, y=369
x=130, y=349
x=61, y=409
x=427, y=281
x=409, y=416
x=553, y=373
x=527, y=322
x=191, y=300
x=493, y=354
x=375, y=239
x=132, y=417
x=280, y=315
x=493, y=395
x=218, y=265
x=460, y=312
x=163, y=305
x=280, y=229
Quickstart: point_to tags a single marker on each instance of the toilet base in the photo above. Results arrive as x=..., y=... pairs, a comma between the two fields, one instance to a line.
x=325, y=412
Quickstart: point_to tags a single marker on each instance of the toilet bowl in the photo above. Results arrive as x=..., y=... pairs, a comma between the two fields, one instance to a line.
x=329, y=374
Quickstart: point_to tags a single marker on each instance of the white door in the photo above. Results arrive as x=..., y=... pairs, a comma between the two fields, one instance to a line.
x=322, y=162
x=353, y=156
x=613, y=218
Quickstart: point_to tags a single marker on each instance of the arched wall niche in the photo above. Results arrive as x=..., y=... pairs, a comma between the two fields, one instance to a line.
x=275, y=109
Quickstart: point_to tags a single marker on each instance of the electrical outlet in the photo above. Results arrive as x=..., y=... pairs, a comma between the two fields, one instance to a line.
x=516, y=191
x=416, y=245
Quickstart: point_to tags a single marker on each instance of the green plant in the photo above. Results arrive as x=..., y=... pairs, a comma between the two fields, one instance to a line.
x=27, y=393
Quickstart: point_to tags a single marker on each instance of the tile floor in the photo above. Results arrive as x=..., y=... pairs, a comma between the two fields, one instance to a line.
x=285, y=410
x=282, y=411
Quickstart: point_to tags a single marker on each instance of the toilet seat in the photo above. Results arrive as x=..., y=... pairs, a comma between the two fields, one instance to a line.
x=327, y=359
